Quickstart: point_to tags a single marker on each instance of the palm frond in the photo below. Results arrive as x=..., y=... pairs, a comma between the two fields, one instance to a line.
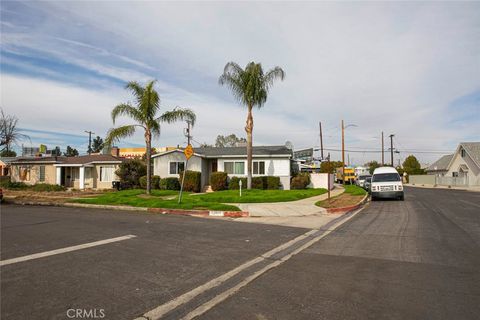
x=178, y=114
x=115, y=134
x=150, y=101
x=126, y=109
x=136, y=89
x=272, y=75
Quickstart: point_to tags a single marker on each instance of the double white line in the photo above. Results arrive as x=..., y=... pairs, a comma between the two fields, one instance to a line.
x=163, y=309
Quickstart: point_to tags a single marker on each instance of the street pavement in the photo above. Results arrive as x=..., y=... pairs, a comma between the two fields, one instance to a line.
x=416, y=259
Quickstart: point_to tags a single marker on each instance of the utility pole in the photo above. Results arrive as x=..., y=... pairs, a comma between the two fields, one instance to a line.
x=321, y=141
x=328, y=173
x=383, y=153
x=188, y=132
x=89, y=141
x=343, y=154
x=391, y=148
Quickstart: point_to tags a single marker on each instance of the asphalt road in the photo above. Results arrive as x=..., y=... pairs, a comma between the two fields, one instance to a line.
x=417, y=259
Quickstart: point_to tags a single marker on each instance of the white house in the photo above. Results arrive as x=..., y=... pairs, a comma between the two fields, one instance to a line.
x=460, y=168
x=267, y=161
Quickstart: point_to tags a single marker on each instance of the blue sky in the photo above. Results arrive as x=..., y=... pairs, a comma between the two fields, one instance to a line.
x=412, y=69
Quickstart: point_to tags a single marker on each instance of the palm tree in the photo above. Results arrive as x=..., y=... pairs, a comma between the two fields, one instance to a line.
x=147, y=105
x=250, y=87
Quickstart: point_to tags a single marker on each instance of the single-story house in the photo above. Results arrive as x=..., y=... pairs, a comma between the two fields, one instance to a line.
x=462, y=167
x=440, y=167
x=267, y=161
x=82, y=172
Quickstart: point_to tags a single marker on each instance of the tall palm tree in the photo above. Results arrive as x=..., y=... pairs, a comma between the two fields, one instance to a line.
x=250, y=87
x=144, y=113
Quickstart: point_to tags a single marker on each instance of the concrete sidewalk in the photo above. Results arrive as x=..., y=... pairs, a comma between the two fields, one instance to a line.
x=304, y=207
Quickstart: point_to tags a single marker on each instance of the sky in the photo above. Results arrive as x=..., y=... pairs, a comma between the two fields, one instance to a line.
x=406, y=68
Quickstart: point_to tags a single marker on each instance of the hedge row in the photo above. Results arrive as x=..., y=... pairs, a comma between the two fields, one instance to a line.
x=7, y=184
x=220, y=181
x=171, y=183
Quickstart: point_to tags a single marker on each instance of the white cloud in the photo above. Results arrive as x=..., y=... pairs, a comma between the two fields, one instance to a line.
x=395, y=67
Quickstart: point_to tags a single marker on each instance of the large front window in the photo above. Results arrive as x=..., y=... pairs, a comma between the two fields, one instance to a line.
x=177, y=167
x=106, y=173
x=234, y=167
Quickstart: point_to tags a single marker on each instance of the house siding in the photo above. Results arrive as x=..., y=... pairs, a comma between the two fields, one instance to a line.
x=473, y=175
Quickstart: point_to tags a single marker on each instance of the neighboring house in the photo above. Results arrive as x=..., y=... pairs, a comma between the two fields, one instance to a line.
x=440, y=167
x=267, y=161
x=82, y=172
x=462, y=168
x=5, y=165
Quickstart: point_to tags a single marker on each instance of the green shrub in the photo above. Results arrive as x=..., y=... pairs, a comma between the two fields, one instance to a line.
x=7, y=184
x=192, y=182
x=233, y=184
x=129, y=173
x=301, y=181
x=171, y=183
x=47, y=187
x=273, y=183
x=259, y=182
x=218, y=181
x=143, y=182
x=155, y=182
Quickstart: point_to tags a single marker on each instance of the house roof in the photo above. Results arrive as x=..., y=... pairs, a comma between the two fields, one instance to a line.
x=214, y=152
x=102, y=158
x=441, y=164
x=473, y=150
x=7, y=160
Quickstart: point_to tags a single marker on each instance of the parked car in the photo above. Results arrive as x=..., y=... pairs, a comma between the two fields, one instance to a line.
x=361, y=180
x=367, y=184
x=386, y=183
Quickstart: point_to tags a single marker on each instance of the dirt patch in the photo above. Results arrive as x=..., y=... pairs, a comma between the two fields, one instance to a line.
x=343, y=200
x=54, y=196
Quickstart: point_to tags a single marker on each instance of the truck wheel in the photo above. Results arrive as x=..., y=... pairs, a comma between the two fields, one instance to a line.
x=402, y=197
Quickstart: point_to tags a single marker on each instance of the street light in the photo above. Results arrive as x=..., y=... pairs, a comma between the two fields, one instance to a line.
x=343, y=148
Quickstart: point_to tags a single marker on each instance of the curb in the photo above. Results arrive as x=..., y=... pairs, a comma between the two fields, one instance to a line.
x=198, y=213
x=349, y=208
x=201, y=213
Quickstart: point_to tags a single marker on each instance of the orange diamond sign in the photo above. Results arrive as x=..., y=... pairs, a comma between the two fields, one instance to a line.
x=188, y=151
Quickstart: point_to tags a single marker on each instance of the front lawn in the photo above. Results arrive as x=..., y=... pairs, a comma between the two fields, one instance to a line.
x=258, y=196
x=354, y=190
x=158, y=199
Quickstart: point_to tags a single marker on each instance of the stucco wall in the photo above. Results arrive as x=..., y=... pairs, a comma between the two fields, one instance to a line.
x=96, y=176
x=34, y=174
x=320, y=180
x=161, y=164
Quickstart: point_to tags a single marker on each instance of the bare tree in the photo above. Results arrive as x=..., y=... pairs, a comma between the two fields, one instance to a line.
x=9, y=132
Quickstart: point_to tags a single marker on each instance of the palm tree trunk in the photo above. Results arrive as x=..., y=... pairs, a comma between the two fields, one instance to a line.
x=249, y=130
x=148, y=141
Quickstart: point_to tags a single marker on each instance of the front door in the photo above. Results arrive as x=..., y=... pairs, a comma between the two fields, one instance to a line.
x=214, y=165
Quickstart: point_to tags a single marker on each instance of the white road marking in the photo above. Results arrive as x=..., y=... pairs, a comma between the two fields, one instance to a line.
x=162, y=310
x=64, y=250
x=224, y=295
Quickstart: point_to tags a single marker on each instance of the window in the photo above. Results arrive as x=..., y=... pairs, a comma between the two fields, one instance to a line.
x=258, y=167
x=454, y=174
x=231, y=167
x=24, y=173
x=177, y=167
x=106, y=173
x=463, y=153
x=42, y=174
x=385, y=177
